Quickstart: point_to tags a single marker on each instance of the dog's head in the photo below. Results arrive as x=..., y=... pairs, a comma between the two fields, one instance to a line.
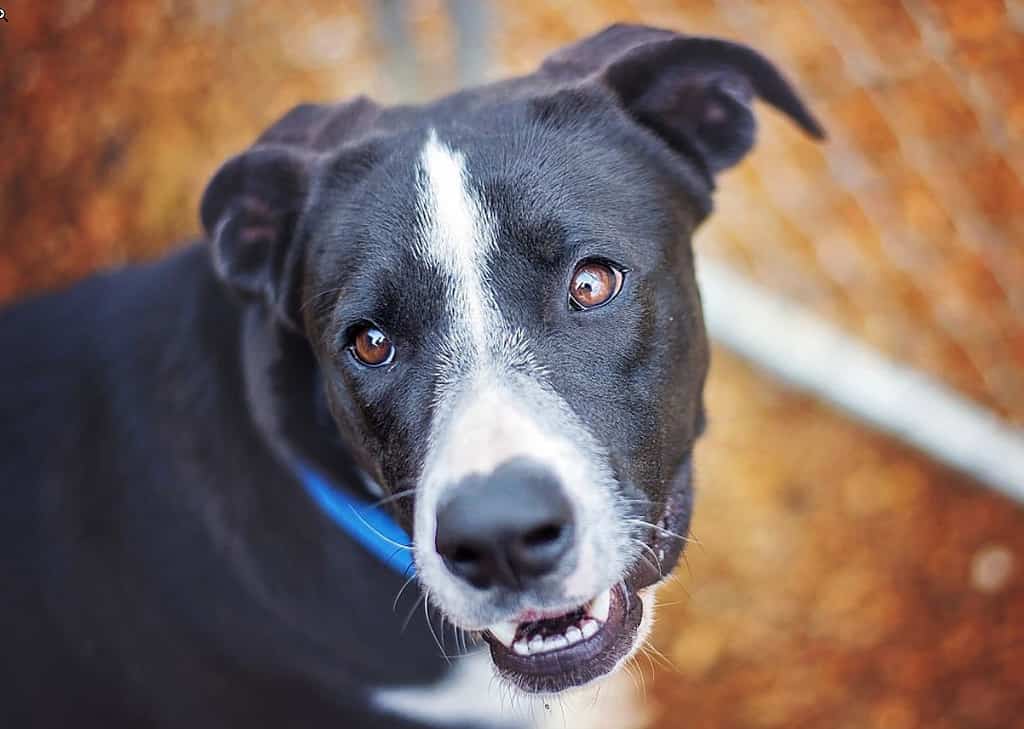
x=499, y=290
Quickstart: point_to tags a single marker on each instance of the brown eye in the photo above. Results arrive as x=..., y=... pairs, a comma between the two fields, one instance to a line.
x=372, y=347
x=594, y=283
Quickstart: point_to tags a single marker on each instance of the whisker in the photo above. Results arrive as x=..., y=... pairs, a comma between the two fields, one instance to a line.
x=412, y=610
x=651, y=663
x=674, y=603
x=394, y=605
x=460, y=639
x=643, y=677
x=698, y=542
x=373, y=529
x=393, y=497
x=455, y=632
x=658, y=566
x=667, y=532
x=658, y=654
x=430, y=625
x=632, y=676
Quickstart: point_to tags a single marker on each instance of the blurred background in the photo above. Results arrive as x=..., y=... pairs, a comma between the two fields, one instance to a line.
x=843, y=577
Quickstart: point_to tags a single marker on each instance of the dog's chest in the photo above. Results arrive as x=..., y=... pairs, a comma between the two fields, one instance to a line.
x=471, y=695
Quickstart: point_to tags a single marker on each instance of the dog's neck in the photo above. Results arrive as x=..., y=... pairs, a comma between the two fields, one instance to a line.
x=285, y=392
x=285, y=395
x=311, y=622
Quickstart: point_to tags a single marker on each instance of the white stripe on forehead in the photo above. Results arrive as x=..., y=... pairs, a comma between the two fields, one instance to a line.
x=457, y=238
x=491, y=403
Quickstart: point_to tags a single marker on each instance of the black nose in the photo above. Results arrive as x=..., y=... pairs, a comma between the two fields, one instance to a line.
x=507, y=528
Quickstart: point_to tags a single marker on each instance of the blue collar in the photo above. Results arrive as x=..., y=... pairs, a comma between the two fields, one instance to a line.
x=369, y=525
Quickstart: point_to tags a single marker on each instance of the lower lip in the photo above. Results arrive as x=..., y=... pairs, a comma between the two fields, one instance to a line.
x=579, y=663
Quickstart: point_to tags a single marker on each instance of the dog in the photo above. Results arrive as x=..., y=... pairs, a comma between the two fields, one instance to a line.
x=472, y=324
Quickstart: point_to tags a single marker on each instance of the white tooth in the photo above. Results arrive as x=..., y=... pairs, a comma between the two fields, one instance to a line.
x=588, y=628
x=573, y=635
x=555, y=642
x=521, y=648
x=536, y=644
x=505, y=632
x=600, y=606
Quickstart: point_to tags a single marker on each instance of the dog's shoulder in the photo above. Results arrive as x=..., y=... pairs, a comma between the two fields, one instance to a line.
x=69, y=354
x=83, y=372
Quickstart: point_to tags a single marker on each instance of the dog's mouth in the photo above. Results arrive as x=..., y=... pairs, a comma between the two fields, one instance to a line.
x=551, y=653
x=548, y=653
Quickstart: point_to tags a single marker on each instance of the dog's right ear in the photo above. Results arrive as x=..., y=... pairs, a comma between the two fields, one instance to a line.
x=695, y=93
x=249, y=211
x=252, y=204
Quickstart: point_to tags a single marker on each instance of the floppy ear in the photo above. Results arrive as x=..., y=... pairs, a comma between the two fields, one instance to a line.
x=249, y=211
x=694, y=93
x=323, y=127
x=252, y=204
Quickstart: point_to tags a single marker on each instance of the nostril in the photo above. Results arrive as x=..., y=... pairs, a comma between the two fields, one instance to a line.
x=508, y=528
x=542, y=535
x=538, y=551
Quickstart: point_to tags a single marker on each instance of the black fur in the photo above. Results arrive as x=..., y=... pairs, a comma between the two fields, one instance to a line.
x=161, y=564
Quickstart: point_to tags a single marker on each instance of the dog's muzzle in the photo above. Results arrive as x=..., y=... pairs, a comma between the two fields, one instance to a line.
x=513, y=536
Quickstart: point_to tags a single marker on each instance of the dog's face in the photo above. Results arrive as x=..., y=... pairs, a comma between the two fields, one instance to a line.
x=520, y=340
x=499, y=290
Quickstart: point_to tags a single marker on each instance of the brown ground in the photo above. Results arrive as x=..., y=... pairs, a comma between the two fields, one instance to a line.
x=841, y=580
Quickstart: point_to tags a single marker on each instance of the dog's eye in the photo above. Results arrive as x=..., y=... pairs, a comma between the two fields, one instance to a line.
x=371, y=347
x=594, y=284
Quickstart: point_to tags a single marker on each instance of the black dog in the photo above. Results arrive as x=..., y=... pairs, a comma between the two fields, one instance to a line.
x=482, y=309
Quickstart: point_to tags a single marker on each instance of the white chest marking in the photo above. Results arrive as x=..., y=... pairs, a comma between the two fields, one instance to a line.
x=471, y=694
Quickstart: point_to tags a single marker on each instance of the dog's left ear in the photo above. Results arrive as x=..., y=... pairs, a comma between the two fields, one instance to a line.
x=695, y=93
x=249, y=211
